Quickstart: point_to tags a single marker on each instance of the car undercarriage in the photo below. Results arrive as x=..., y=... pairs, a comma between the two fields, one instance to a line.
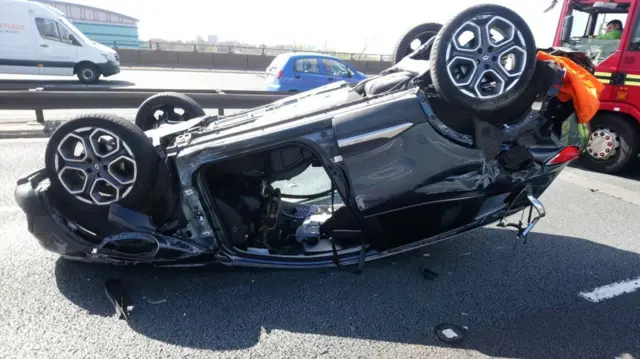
x=395, y=162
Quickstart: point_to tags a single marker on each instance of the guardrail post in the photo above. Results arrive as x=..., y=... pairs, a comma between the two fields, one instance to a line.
x=39, y=116
x=221, y=112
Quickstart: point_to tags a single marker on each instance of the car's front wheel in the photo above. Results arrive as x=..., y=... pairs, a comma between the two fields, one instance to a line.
x=95, y=160
x=88, y=73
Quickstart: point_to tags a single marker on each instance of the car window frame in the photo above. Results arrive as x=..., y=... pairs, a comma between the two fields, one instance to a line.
x=58, y=27
x=296, y=59
x=634, y=25
x=349, y=69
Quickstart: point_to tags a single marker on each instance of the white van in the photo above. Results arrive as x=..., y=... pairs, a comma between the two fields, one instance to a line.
x=37, y=39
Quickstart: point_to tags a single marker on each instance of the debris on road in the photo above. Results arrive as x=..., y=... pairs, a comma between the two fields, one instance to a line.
x=450, y=333
x=427, y=274
x=116, y=293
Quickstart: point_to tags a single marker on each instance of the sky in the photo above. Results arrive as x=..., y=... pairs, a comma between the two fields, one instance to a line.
x=341, y=25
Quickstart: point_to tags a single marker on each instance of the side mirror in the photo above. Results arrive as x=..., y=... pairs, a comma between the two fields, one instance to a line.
x=567, y=26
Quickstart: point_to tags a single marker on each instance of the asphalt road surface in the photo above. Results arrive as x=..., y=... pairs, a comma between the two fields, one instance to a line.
x=520, y=302
x=160, y=79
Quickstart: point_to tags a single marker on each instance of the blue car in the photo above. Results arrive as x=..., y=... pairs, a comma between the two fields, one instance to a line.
x=298, y=72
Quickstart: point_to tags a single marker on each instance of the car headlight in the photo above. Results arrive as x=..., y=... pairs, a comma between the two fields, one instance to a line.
x=109, y=57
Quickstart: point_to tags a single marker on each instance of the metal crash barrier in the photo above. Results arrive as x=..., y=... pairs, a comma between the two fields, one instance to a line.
x=44, y=98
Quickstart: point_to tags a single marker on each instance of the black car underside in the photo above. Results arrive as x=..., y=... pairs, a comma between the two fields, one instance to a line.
x=251, y=216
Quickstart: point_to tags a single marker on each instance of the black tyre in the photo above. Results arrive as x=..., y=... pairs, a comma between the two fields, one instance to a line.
x=161, y=109
x=613, y=145
x=88, y=73
x=95, y=160
x=476, y=74
x=413, y=39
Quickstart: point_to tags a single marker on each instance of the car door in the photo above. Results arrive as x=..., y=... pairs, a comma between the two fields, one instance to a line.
x=336, y=71
x=307, y=74
x=395, y=159
x=57, y=51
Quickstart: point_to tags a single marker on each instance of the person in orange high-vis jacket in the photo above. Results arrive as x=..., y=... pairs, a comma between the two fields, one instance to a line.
x=578, y=84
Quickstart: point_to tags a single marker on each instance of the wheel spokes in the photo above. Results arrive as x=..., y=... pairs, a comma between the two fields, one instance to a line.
x=96, y=166
x=167, y=113
x=421, y=39
x=486, y=57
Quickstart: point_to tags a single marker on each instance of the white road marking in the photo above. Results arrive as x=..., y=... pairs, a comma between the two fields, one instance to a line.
x=611, y=290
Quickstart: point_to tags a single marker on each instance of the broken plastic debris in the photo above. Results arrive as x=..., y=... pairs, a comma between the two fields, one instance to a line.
x=114, y=288
x=427, y=274
x=450, y=333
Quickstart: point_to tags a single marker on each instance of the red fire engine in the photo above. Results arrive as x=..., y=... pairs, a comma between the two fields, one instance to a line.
x=609, y=32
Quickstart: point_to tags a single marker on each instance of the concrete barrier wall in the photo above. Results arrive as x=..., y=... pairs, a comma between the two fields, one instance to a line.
x=230, y=61
x=208, y=60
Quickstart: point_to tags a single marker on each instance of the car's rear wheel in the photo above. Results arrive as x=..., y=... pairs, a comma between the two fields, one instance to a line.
x=413, y=38
x=167, y=108
x=613, y=145
x=483, y=60
x=95, y=160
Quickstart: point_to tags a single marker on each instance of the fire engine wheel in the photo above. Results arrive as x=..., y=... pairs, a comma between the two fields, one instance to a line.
x=167, y=108
x=413, y=39
x=613, y=145
x=483, y=60
x=95, y=160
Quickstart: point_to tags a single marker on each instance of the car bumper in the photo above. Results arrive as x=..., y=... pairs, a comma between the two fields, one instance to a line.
x=55, y=234
x=270, y=86
x=42, y=222
x=109, y=68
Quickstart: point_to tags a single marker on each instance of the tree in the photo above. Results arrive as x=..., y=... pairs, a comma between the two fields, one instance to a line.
x=200, y=43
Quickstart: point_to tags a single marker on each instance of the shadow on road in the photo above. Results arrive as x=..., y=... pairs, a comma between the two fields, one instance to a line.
x=67, y=84
x=520, y=302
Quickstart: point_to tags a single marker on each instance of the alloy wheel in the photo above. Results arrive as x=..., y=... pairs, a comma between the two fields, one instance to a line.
x=486, y=57
x=95, y=166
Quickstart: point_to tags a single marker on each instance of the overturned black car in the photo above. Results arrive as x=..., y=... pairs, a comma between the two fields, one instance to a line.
x=455, y=136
